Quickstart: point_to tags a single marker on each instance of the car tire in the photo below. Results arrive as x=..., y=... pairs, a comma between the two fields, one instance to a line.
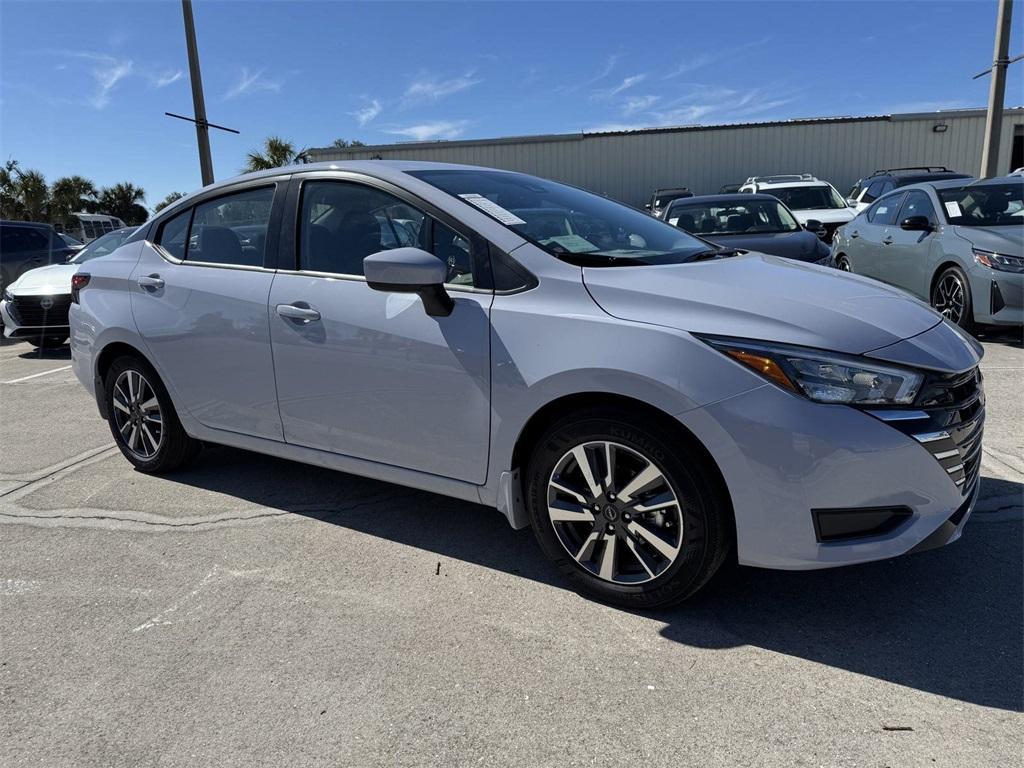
x=951, y=298
x=843, y=264
x=47, y=342
x=639, y=544
x=142, y=418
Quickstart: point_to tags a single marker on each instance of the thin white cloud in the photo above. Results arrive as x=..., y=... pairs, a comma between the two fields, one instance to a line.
x=701, y=60
x=426, y=87
x=250, y=81
x=636, y=104
x=107, y=73
x=691, y=64
x=163, y=79
x=615, y=90
x=368, y=113
x=441, y=129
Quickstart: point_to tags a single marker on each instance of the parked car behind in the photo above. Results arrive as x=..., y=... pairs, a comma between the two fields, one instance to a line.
x=807, y=197
x=750, y=222
x=881, y=182
x=959, y=247
x=35, y=306
x=646, y=403
x=662, y=197
x=25, y=245
x=70, y=242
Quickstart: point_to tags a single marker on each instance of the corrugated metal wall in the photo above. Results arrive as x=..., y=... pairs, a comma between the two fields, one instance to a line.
x=629, y=166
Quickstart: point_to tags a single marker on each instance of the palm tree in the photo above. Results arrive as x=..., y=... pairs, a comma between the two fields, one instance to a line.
x=9, y=205
x=32, y=195
x=69, y=195
x=124, y=200
x=174, y=196
x=276, y=152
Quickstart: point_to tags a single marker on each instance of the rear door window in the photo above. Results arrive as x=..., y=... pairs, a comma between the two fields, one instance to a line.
x=231, y=229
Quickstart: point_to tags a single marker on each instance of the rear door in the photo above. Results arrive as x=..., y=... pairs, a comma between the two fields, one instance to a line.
x=367, y=373
x=907, y=256
x=199, y=296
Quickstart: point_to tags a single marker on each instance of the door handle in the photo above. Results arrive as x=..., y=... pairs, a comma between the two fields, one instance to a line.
x=151, y=283
x=888, y=240
x=301, y=314
x=854, y=235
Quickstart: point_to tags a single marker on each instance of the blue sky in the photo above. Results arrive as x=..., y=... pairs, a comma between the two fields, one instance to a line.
x=83, y=86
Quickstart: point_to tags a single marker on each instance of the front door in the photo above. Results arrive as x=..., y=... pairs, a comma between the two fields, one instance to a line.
x=369, y=374
x=199, y=296
x=874, y=236
x=907, y=256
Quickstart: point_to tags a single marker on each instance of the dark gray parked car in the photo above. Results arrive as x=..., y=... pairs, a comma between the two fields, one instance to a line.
x=959, y=247
x=25, y=245
x=749, y=222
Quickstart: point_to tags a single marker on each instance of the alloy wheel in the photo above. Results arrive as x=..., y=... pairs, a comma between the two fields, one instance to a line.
x=949, y=298
x=137, y=414
x=844, y=266
x=615, y=512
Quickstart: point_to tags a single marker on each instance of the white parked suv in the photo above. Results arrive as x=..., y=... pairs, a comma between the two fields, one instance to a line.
x=809, y=198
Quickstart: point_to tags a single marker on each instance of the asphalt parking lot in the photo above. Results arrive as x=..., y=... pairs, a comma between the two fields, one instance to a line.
x=251, y=611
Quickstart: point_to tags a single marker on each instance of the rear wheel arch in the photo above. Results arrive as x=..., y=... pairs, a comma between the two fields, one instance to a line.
x=104, y=360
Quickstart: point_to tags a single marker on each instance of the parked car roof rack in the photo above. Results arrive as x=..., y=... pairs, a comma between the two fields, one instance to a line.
x=780, y=178
x=925, y=168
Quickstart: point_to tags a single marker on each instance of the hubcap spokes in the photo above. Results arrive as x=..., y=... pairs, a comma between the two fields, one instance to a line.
x=949, y=300
x=137, y=414
x=615, y=513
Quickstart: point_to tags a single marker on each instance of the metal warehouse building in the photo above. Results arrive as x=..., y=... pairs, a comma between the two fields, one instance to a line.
x=630, y=165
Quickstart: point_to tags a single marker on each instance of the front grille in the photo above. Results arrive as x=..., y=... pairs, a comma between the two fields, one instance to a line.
x=949, y=421
x=31, y=312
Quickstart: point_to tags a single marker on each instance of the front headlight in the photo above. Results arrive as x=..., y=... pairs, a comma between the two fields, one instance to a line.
x=7, y=295
x=824, y=377
x=999, y=261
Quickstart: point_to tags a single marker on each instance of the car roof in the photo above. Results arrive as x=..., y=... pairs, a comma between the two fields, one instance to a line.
x=12, y=223
x=671, y=189
x=938, y=184
x=738, y=197
x=1009, y=179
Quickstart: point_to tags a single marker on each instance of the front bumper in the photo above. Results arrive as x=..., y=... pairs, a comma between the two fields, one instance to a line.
x=783, y=456
x=21, y=318
x=998, y=297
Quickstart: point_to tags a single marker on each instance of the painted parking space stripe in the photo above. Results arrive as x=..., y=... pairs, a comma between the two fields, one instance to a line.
x=37, y=375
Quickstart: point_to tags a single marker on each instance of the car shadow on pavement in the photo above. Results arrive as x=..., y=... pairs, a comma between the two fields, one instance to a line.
x=948, y=622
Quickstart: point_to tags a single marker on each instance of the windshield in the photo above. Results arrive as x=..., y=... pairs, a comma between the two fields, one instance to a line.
x=732, y=218
x=573, y=225
x=101, y=246
x=984, y=205
x=818, y=198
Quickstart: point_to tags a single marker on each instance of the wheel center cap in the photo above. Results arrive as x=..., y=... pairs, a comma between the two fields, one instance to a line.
x=612, y=513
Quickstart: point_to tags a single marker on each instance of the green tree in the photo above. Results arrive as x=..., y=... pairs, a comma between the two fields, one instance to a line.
x=345, y=144
x=124, y=200
x=276, y=153
x=33, y=195
x=173, y=197
x=69, y=195
x=9, y=206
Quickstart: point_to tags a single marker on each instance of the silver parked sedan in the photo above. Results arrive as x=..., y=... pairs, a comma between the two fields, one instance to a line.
x=646, y=402
x=959, y=247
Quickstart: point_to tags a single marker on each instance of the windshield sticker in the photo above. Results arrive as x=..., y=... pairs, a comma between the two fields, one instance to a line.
x=953, y=209
x=572, y=243
x=492, y=209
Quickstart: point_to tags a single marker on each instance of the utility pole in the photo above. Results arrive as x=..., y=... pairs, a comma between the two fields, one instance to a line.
x=199, y=105
x=996, y=93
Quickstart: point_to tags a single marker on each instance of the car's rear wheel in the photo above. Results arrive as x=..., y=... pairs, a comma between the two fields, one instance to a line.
x=142, y=418
x=47, y=342
x=951, y=297
x=626, y=509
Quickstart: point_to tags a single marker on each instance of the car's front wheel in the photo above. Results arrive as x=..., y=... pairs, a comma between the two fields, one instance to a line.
x=843, y=264
x=142, y=418
x=951, y=297
x=626, y=509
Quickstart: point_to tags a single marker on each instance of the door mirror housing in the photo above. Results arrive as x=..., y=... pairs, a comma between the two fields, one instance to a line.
x=916, y=224
x=815, y=226
x=410, y=270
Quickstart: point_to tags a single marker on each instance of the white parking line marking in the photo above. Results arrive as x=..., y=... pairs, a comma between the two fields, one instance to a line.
x=36, y=375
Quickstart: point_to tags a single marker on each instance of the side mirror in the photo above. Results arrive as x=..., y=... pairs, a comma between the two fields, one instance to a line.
x=916, y=224
x=815, y=226
x=410, y=270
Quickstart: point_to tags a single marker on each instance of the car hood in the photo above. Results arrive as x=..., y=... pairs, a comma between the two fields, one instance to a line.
x=825, y=215
x=801, y=245
x=41, y=281
x=765, y=298
x=1006, y=240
